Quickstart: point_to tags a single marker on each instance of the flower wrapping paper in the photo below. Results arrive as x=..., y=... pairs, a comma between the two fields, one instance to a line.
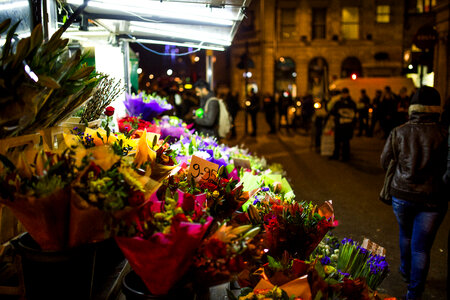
x=163, y=259
x=45, y=218
x=87, y=223
x=136, y=106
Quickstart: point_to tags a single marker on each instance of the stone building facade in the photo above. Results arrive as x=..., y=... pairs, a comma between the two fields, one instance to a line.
x=303, y=45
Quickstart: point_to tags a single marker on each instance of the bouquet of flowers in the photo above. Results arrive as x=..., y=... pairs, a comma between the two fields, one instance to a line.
x=345, y=269
x=173, y=127
x=222, y=196
x=221, y=256
x=358, y=262
x=40, y=88
x=133, y=127
x=104, y=193
x=204, y=147
x=146, y=106
x=161, y=242
x=37, y=193
x=297, y=227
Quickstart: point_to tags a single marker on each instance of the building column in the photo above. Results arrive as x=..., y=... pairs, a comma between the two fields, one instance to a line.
x=267, y=39
x=442, y=51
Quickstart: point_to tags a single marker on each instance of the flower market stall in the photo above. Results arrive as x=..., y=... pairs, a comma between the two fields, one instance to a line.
x=183, y=212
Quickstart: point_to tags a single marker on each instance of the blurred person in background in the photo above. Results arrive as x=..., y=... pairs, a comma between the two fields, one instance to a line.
x=284, y=101
x=363, y=113
x=232, y=102
x=307, y=106
x=269, y=106
x=344, y=112
x=388, y=111
x=207, y=124
x=253, y=109
x=375, y=116
x=402, y=107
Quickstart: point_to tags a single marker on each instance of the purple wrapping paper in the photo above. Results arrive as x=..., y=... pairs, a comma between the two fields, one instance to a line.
x=136, y=107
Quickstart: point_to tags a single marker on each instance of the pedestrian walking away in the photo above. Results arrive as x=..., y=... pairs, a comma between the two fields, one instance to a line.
x=419, y=194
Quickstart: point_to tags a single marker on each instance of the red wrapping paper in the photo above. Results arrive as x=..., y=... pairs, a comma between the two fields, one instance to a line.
x=87, y=223
x=46, y=218
x=163, y=259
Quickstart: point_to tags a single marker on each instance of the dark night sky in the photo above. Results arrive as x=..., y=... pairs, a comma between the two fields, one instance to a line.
x=158, y=65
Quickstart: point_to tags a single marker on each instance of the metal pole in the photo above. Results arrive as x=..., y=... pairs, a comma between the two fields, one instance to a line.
x=246, y=89
x=126, y=65
x=209, y=69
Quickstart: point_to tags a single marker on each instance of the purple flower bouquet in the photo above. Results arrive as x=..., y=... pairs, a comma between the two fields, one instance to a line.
x=146, y=106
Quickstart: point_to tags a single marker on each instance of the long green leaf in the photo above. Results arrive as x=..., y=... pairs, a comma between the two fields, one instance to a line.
x=21, y=51
x=4, y=25
x=82, y=72
x=37, y=37
x=7, y=46
x=49, y=82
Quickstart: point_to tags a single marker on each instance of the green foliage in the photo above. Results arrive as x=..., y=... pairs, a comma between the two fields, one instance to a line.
x=40, y=84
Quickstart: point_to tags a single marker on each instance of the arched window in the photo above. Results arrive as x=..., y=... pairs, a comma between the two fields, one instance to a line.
x=317, y=77
x=285, y=74
x=351, y=65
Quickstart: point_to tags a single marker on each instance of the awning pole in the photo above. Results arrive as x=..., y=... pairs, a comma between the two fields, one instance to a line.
x=126, y=65
x=210, y=69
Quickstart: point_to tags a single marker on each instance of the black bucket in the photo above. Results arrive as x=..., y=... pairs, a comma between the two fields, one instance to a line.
x=55, y=274
x=134, y=289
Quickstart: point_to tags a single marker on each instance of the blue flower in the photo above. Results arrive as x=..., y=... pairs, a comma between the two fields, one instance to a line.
x=265, y=189
x=347, y=241
x=325, y=260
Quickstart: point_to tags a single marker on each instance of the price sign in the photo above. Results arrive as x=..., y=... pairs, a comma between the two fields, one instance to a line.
x=202, y=169
x=241, y=163
x=374, y=248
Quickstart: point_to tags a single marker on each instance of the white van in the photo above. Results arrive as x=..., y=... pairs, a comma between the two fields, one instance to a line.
x=371, y=84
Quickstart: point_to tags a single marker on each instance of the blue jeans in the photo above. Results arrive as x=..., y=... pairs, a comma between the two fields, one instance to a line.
x=418, y=227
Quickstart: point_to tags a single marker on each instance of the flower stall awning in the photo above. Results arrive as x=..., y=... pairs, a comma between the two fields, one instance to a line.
x=200, y=23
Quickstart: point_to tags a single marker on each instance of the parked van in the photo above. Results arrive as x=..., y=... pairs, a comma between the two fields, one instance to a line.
x=371, y=84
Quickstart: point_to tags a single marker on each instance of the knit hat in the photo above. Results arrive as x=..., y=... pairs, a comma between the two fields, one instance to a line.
x=425, y=100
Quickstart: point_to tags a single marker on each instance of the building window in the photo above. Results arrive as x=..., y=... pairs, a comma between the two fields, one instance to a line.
x=383, y=13
x=424, y=6
x=287, y=23
x=319, y=23
x=351, y=65
x=350, y=23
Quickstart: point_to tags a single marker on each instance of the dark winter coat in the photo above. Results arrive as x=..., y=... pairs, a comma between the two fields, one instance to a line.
x=421, y=150
x=447, y=173
x=344, y=112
